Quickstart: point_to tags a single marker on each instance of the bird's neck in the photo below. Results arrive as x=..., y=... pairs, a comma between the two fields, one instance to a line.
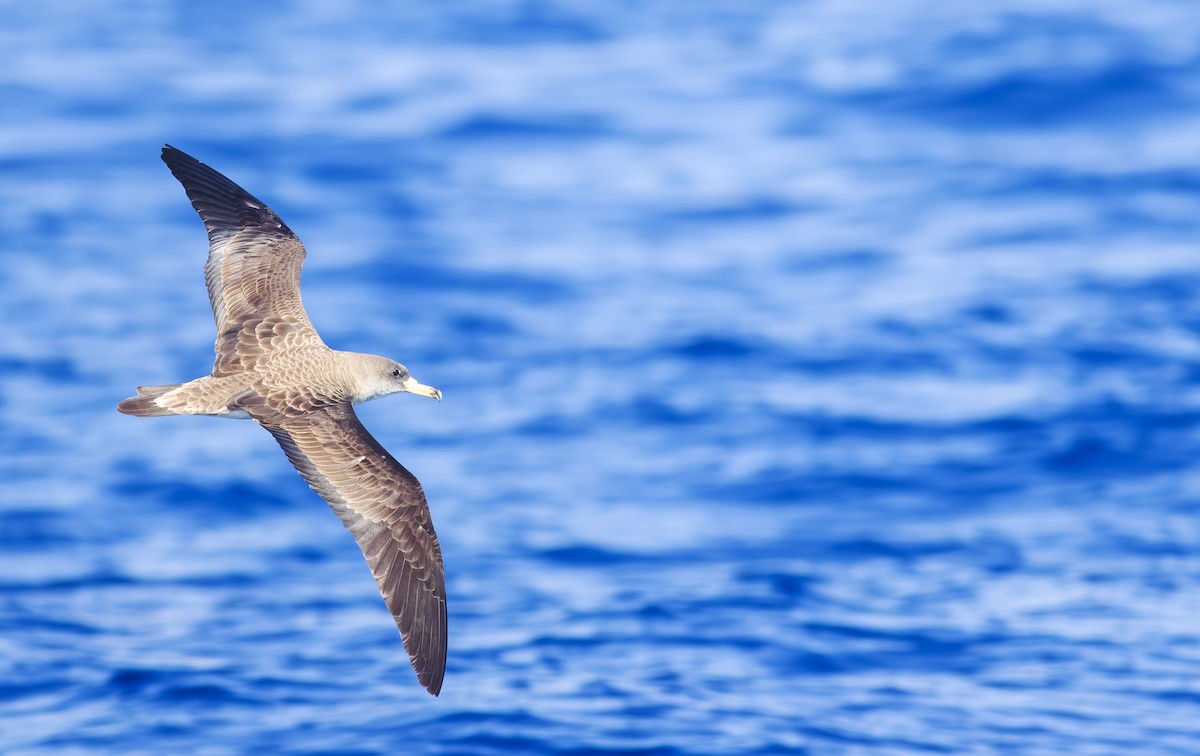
x=361, y=378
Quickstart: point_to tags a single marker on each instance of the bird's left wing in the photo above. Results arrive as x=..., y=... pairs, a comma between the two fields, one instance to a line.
x=253, y=268
x=383, y=506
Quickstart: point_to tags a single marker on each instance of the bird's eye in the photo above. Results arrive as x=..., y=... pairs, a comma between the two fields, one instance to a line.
x=396, y=373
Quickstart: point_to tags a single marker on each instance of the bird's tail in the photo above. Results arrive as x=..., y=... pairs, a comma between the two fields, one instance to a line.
x=143, y=405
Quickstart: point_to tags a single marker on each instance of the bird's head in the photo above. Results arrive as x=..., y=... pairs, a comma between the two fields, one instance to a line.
x=390, y=377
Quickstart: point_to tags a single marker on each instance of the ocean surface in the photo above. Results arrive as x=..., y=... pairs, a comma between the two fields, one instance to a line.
x=820, y=377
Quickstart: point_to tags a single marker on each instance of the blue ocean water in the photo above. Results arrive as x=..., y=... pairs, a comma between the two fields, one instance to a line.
x=818, y=376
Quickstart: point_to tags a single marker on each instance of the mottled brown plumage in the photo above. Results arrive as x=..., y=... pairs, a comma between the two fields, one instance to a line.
x=272, y=366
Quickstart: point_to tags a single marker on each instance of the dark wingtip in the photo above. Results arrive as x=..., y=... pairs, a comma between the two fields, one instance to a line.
x=433, y=682
x=431, y=678
x=171, y=155
x=193, y=174
x=223, y=205
x=433, y=669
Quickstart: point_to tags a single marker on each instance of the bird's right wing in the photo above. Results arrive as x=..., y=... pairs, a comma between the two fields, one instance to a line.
x=253, y=268
x=383, y=506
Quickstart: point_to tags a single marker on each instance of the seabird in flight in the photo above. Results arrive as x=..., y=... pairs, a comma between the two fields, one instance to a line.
x=272, y=367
